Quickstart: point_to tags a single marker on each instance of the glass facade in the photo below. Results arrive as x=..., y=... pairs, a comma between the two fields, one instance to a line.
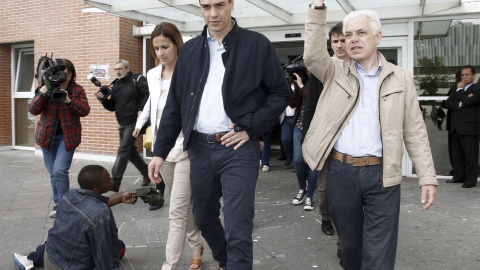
x=441, y=49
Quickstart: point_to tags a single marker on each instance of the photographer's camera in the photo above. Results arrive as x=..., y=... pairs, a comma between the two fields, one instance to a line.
x=104, y=89
x=297, y=66
x=51, y=74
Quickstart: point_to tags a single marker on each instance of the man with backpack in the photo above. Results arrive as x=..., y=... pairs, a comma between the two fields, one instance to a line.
x=127, y=98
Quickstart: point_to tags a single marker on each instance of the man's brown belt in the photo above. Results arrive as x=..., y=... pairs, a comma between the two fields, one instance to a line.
x=356, y=161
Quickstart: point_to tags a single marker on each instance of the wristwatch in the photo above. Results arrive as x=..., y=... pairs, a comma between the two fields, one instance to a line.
x=313, y=6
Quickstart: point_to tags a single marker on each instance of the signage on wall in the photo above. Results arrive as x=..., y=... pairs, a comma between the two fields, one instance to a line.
x=100, y=71
x=293, y=35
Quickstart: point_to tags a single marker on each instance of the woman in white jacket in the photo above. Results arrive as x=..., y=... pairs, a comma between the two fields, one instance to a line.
x=166, y=44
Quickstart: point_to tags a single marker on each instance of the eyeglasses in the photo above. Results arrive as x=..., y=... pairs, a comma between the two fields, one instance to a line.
x=118, y=69
x=467, y=74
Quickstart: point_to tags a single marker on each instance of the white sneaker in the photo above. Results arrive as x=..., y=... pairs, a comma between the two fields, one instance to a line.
x=299, y=198
x=265, y=168
x=53, y=214
x=308, y=205
x=21, y=262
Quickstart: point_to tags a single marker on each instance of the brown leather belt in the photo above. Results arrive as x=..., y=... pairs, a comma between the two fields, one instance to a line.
x=209, y=138
x=356, y=161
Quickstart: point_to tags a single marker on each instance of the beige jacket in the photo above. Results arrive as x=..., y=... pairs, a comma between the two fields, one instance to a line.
x=401, y=121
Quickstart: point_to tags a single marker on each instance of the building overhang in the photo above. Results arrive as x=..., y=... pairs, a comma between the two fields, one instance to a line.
x=253, y=14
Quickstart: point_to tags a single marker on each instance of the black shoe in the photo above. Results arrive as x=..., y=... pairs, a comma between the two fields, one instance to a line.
x=455, y=181
x=327, y=227
x=339, y=255
x=114, y=188
x=468, y=186
x=282, y=158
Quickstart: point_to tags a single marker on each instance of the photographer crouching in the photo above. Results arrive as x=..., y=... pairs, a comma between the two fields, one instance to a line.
x=126, y=98
x=61, y=102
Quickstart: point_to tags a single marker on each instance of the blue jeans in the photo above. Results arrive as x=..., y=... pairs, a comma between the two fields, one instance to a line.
x=304, y=173
x=57, y=161
x=267, y=143
x=37, y=256
x=286, y=137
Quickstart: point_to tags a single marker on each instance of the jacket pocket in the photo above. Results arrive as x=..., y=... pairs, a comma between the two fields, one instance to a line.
x=339, y=101
x=41, y=134
x=392, y=109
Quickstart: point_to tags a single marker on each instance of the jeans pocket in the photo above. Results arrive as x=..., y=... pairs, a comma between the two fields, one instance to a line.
x=333, y=166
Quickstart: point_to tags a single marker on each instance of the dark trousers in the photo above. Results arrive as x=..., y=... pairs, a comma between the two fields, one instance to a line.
x=127, y=152
x=216, y=171
x=439, y=124
x=287, y=138
x=365, y=214
x=465, y=157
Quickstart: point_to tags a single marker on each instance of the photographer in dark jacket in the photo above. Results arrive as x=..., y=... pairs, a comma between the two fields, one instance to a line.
x=127, y=99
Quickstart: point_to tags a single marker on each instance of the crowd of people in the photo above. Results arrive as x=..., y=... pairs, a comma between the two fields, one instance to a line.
x=211, y=115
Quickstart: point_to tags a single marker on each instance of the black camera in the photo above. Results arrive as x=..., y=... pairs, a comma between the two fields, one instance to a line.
x=51, y=74
x=104, y=89
x=297, y=66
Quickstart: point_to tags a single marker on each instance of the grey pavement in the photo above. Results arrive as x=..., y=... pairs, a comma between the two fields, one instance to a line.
x=285, y=236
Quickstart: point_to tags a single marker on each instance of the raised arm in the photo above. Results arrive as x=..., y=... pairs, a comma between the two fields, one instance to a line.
x=316, y=54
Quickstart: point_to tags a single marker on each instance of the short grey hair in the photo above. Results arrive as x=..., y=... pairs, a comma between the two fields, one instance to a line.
x=124, y=62
x=370, y=14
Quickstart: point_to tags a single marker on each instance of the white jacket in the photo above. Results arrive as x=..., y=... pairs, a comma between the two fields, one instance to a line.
x=154, y=78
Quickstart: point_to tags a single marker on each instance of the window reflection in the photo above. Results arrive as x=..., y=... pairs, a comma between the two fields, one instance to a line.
x=441, y=49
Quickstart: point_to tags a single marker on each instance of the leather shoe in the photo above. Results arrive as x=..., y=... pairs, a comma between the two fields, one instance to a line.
x=114, y=188
x=455, y=181
x=146, y=181
x=468, y=186
x=327, y=227
x=339, y=255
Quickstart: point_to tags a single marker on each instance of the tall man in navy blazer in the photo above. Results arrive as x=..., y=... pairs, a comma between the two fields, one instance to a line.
x=227, y=90
x=464, y=104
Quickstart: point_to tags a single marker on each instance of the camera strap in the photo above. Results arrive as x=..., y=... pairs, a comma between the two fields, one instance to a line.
x=135, y=82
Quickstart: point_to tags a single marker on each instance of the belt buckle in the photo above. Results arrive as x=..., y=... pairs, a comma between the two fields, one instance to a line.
x=208, y=139
x=353, y=160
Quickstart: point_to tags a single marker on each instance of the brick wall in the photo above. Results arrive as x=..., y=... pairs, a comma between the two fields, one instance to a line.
x=5, y=96
x=84, y=38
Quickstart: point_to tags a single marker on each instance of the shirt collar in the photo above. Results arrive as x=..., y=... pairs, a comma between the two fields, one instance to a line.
x=93, y=194
x=375, y=73
x=467, y=86
x=214, y=39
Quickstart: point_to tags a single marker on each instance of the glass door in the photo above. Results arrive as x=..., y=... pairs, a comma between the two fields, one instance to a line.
x=23, y=69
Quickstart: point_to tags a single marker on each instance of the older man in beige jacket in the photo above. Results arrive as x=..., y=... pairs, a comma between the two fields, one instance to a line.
x=366, y=113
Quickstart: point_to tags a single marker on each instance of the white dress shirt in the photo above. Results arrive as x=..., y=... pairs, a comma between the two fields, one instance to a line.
x=361, y=136
x=211, y=116
x=460, y=104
